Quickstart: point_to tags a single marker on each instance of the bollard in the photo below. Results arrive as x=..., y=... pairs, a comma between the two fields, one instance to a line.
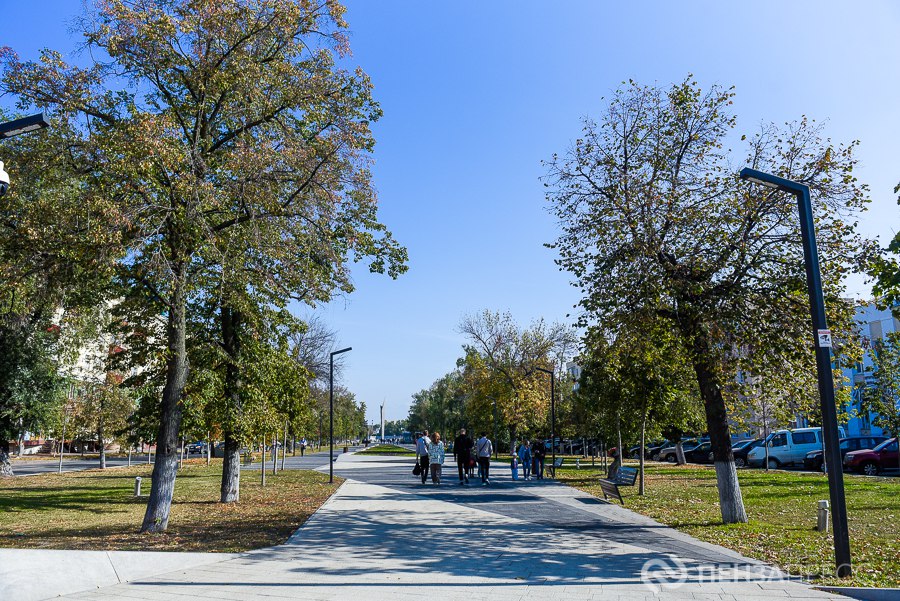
x=137, y=486
x=822, y=517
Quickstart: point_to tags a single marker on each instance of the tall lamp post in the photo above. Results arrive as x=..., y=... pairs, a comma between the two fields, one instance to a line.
x=822, y=338
x=552, y=412
x=331, y=412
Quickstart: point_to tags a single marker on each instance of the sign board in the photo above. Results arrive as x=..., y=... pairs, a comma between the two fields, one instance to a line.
x=824, y=338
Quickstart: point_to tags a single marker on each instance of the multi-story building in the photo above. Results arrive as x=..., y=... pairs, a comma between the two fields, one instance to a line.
x=873, y=324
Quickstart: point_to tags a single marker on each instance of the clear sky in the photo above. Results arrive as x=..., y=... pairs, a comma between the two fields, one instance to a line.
x=476, y=94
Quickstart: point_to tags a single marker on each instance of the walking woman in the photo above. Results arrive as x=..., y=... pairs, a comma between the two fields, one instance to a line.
x=436, y=457
x=525, y=459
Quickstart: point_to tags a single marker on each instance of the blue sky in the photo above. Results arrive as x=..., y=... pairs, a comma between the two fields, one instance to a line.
x=477, y=94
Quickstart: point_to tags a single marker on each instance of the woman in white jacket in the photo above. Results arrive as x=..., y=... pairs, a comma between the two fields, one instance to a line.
x=436, y=457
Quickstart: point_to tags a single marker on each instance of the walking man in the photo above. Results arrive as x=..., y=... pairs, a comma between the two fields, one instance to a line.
x=484, y=449
x=422, y=453
x=302, y=446
x=538, y=450
x=462, y=452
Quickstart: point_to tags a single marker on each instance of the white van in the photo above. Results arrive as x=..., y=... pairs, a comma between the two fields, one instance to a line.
x=788, y=447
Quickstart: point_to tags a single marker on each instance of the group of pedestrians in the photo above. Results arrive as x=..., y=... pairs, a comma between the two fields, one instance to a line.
x=430, y=455
x=531, y=455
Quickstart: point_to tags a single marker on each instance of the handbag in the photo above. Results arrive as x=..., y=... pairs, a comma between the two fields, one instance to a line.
x=417, y=470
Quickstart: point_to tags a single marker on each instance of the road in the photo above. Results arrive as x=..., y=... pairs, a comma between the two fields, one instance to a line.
x=31, y=467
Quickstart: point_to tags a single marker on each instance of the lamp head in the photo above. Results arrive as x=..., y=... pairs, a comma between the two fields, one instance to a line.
x=772, y=181
x=23, y=125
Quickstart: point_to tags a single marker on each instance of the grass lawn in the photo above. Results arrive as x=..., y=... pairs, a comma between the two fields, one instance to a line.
x=782, y=511
x=96, y=509
x=387, y=449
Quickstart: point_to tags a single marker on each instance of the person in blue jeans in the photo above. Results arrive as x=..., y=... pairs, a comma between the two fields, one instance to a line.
x=525, y=459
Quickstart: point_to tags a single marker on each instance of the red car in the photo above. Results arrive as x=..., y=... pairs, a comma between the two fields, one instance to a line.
x=872, y=461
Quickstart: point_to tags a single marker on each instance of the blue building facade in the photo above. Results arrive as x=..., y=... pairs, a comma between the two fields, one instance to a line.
x=873, y=324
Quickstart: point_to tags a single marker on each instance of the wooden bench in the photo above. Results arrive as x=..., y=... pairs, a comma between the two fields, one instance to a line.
x=626, y=476
x=556, y=464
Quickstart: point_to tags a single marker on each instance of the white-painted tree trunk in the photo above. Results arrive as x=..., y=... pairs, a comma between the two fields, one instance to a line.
x=730, y=500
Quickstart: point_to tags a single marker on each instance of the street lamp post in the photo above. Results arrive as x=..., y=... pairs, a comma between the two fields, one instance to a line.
x=822, y=338
x=331, y=411
x=552, y=412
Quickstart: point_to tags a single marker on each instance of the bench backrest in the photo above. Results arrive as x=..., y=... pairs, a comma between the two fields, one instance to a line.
x=558, y=462
x=626, y=476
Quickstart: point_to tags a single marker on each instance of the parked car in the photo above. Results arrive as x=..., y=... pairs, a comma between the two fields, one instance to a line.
x=788, y=447
x=196, y=447
x=668, y=453
x=702, y=453
x=741, y=448
x=814, y=459
x=871, y=462
x=635, y=451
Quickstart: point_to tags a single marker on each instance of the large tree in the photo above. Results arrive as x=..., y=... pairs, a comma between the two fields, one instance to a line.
x=501, y=361
x=654, y=219
x=230, y=142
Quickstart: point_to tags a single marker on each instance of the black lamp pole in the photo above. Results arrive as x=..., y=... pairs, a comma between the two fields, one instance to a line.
x=552, y=411
x=822, y=338
x=331, y=411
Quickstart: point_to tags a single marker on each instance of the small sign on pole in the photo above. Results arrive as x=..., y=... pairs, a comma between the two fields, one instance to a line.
x=824, y=337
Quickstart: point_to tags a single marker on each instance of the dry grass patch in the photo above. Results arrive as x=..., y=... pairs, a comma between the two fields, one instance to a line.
x=96, y=509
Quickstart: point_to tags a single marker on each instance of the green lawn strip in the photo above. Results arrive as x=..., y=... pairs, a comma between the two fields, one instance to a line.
x=96, y=509
x=782, y=511
x=387, y=449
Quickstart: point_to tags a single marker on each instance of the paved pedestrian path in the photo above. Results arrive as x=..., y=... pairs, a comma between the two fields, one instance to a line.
x=384, y=535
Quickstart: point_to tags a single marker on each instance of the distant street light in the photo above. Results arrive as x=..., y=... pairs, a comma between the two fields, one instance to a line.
x=552, y=412
x=331, y=411
x=822, y=338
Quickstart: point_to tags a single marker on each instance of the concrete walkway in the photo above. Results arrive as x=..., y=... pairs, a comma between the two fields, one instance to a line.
x=383, y=535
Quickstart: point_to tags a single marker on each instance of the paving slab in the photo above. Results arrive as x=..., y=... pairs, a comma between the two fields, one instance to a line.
x=384, y=535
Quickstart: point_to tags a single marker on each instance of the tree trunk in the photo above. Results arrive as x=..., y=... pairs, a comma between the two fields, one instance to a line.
x=680, y=459
x=643, y=443
x=102, y=446
x=231, y=471
x=262, y=464
x=284, y=446
x=21, y=439
x=230, y=323
x=159, y=501
x=6, y=469
x=619, y=435
x=731, y=502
